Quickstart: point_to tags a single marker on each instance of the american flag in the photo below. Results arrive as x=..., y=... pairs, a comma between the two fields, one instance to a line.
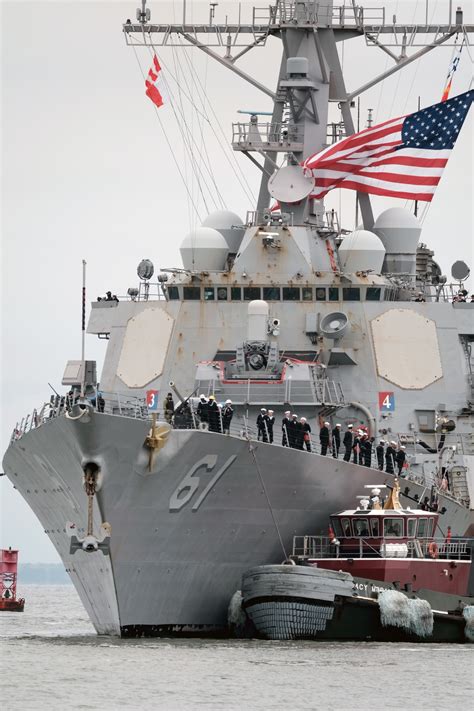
x=404, y=157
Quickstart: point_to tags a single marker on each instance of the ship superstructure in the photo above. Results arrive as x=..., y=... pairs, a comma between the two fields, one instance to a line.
x=281, y=309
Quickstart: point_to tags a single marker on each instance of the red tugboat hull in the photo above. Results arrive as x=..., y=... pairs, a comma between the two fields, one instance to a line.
x=445, y=576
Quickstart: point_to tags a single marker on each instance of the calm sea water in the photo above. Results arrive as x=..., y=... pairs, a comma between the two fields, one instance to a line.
x=51, y=659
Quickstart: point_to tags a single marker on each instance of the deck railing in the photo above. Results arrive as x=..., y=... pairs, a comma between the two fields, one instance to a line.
x=307, y=547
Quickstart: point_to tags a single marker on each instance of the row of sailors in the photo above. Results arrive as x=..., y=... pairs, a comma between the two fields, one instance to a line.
x=296, y=433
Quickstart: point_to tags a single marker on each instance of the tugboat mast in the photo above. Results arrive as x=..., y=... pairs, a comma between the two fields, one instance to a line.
x=310, y=74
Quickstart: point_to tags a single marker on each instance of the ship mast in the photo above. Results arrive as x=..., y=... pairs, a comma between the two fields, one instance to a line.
x=310, y=74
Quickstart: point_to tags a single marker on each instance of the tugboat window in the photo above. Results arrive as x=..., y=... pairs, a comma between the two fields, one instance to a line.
x=236, y=293
x=173, y=293
x=351, y=293
x=208, y=293
x=222, y=293
x=374, y=525
x=393, y=527
x=431, y=527
x=251, y=293
x=346, y=527
x=361, y=527
x=192, y=293
x=336, y=527
x=291, y=293
x=373, y=293
x=321, y=294
x=411, y=529
x=422, y=524
x=307, y=293
x=333, y=293
x=271, y=293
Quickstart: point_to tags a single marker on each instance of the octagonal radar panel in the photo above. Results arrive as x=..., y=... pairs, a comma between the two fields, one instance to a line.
x=460, y=271
x=290, y=184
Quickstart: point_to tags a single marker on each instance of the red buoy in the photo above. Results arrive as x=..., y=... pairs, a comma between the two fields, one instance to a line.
x=8, y=578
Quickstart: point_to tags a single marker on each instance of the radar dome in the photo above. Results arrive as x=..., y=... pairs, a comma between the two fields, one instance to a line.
x=204, y=249
x=399, y=230
x=226, y=223
x=361, y=251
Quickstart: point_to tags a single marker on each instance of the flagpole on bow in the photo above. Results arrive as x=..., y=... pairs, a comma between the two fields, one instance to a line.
x=83, y=353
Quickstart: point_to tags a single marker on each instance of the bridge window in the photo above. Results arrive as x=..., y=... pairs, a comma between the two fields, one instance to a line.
x=192, y=293
x=333, y=293
x=361, y=527
x=393, y=527
x=291, y=293
x=346, y=527
x=422, y=528
x=374, y=527
x=173, y=292
x=373, y=293
x=431, y=527
x=208, y=293
x=411, y=527
x=222, y=293
x=307, y=293
x=320, y=294
x=236, y=293
x=271, y=293
x=336, y=527
x=251, y=293
x=351, y=293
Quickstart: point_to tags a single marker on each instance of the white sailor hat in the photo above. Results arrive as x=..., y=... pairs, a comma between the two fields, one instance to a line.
x=327, y=424
x=382, y=441
x=338, y=425
x=263, y=409
x=303, y=419
x=228, y=402
x=287, y=412
x=349, y=427
x=393, y=442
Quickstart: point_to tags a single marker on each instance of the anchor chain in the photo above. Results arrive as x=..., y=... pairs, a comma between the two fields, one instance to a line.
x=90, y=484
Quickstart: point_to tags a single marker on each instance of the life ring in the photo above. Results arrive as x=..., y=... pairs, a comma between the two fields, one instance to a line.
x=289, y=561
x=203, y=426
x=433, y=550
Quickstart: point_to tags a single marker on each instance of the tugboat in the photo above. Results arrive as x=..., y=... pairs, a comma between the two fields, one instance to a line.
x=8, y=578
x=380, y=574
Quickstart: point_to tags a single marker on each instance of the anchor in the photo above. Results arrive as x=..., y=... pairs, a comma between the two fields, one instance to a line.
x=90, y=543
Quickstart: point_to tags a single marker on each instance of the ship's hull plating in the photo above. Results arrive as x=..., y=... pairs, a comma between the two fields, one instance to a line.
x=183, y=534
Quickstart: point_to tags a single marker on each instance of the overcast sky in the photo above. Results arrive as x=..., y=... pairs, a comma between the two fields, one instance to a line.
x=87, y=173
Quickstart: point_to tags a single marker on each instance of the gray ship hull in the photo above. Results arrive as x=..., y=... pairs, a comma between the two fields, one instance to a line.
x=182, y=534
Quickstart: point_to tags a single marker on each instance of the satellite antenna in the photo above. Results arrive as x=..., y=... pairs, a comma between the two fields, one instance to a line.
x=290, y=184
x=460, y=271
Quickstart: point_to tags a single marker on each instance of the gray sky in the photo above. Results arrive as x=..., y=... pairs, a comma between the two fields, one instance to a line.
x=87, y=174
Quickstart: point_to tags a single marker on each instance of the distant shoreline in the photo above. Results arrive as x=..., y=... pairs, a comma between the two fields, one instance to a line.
x=42, y=574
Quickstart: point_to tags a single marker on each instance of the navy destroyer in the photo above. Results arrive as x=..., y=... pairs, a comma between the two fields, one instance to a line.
x=155, y=509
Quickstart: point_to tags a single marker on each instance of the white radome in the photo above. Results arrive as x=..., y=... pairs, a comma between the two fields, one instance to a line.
x=226, y=223
x=204, y=249
x=399, y=230
x=361, y=251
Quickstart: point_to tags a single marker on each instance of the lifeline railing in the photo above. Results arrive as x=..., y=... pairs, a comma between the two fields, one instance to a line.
x=375, y=547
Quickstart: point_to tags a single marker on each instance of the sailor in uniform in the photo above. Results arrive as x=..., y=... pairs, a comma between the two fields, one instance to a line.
x=169, y=407
x=203, y=409
x=324, y=438
x=347, y=442
x=400, y=458
x=284, y=429
x=227, y=415
x=269, y=422
x=390, y=458
x=306, y=430
x=261, y=423
x=380, y=451
x=336, y=441
x=214, y=415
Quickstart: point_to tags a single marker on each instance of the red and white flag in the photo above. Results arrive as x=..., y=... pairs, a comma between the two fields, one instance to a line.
x=404, y=157
x=155, y=87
